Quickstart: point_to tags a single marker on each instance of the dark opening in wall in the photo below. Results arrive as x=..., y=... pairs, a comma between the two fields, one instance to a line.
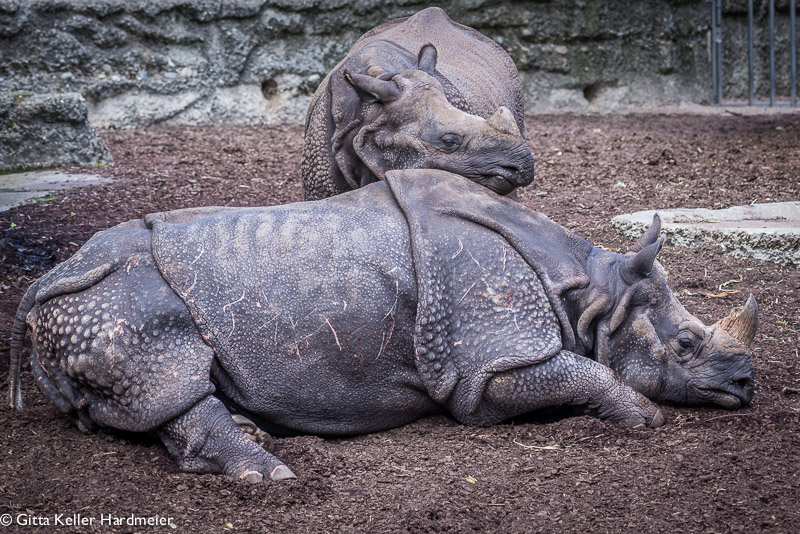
x=590, y=92
x=269, y=88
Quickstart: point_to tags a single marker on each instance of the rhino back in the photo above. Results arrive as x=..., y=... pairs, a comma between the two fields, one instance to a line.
x=309, y=308
x=476, y=75
x=322, y=178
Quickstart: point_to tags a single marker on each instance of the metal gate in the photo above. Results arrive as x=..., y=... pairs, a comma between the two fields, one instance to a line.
x=716, y=55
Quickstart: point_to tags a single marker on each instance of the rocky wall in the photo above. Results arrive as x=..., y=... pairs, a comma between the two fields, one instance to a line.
x=47, y=130
x=141, y=62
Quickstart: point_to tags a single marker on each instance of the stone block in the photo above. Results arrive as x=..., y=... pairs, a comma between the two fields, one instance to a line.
x=767, y=232
x=47, y=130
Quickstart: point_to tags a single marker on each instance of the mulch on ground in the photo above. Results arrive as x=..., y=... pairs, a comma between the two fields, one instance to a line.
x=707, y=470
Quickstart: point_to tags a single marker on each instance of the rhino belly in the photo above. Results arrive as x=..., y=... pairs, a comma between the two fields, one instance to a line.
x=330, y=375
x=330, y=352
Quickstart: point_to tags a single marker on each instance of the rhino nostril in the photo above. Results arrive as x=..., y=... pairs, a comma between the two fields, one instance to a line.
x=743, y=383
x=508, y=169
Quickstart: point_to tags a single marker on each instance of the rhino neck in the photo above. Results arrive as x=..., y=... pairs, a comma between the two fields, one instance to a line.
x=590, y=306
x=346, y=162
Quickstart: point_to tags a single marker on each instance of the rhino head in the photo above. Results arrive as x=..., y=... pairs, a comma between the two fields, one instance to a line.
x=415, y=126
x=663, y=351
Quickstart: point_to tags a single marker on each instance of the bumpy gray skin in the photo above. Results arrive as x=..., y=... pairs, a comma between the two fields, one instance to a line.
x=421, y=92
x=366, y=311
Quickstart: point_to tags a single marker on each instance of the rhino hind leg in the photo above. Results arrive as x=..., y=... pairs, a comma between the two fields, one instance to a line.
x=125, y=354
x=122, y=354
x=254, y=433
x=206, y=439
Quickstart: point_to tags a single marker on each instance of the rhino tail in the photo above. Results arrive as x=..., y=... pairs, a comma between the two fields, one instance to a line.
x=40, y=291
x=18, y=331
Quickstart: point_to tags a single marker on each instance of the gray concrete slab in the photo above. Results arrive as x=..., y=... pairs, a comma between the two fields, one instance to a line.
x=768, y=232
x=18, y=188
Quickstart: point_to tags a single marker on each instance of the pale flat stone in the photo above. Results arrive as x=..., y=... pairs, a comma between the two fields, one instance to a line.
x=17, y=188
x=768, y=232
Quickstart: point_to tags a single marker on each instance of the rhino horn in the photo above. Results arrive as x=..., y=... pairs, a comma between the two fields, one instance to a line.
x=742, y=322
x=503, y=120
x=642, y=262
x=426, y=61
x=372, y=89
x=649, y=236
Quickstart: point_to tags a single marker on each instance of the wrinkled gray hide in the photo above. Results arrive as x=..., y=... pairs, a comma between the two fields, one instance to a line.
x=365, y=311
x=422, y=92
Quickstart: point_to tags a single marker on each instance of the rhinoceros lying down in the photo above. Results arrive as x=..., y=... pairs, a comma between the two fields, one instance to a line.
x=419, y=295
x=422, y=92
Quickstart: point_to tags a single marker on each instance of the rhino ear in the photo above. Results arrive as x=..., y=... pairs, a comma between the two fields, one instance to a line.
x=642, y=262
x=371, y=89
x=426, y=61
x=649, y=236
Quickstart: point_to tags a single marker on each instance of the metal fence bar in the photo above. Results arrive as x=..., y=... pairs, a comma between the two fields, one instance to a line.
x=716, y=55
x=750, y=83
x=719, y=50
x=715, y=81
x=793, y=53
x=771, y=52
x=716, y=48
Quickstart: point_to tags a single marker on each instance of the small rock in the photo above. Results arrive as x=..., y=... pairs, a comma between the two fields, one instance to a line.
x=116, y=78
x=170, y=75
x=66, y=76
x=142, y=74
x=186, y=72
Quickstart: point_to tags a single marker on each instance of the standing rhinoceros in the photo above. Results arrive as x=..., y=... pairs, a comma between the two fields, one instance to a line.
x=419, y=295
x=422, y=92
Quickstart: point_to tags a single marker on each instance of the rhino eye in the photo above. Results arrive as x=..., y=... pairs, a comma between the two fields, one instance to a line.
x=450, y=141
x=686, y=342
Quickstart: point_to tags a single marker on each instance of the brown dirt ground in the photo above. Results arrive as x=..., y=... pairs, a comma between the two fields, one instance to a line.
x=707, y=470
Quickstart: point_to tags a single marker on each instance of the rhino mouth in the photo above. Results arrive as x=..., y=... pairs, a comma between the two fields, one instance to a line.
x=499, y=185
x=730, y=397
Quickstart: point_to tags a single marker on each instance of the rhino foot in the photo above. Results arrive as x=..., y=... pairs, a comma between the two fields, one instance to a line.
x=254, y=433
x=281, y=473
x=206, y=439
x=622, y=404
x=253, y=477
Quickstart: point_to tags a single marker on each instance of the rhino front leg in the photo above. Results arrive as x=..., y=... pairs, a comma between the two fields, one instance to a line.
x=206, y=439
x=570, y=379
